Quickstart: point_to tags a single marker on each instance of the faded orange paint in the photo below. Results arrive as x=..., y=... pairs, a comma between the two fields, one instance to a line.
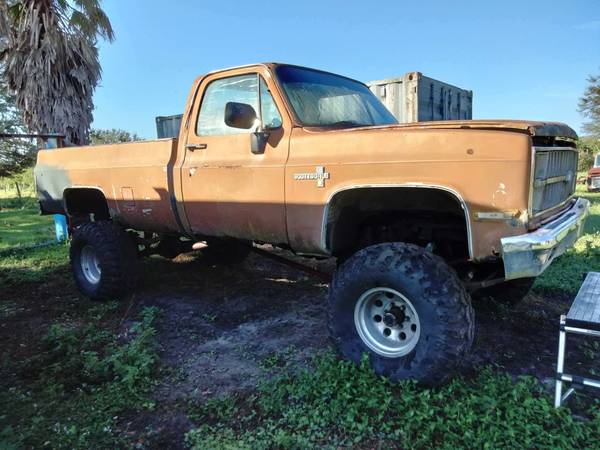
x=119, y=171
x=224, y=189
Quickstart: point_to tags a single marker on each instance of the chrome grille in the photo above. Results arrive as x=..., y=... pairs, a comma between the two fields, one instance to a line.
x=554, y=177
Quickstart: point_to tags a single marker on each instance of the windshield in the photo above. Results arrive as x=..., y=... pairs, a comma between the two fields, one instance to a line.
x=597, y=163
x=324, y=99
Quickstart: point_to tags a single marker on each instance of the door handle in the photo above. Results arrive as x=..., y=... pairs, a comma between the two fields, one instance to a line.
x=192, y=147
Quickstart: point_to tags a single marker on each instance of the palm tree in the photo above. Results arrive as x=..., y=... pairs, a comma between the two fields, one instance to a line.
x=49, y=59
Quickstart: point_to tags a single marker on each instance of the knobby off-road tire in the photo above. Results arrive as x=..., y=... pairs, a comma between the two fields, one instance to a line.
x=424, y=307
x=103, y=261
x=510, y=293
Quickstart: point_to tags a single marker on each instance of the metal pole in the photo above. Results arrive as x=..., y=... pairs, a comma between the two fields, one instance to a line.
x=561, y=362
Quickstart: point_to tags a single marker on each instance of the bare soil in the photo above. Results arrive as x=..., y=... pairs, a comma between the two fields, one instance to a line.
x=220, y=325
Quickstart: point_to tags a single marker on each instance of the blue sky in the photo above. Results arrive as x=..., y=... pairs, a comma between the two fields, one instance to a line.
x=523, y=59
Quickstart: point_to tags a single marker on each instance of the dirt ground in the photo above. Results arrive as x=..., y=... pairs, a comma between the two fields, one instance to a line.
x=221, y=325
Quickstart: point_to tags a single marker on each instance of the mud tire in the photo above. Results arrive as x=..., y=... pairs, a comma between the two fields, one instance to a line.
x=438, y=296
x=116, y=255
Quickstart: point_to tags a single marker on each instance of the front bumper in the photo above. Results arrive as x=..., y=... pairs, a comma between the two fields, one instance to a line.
x=528, y=255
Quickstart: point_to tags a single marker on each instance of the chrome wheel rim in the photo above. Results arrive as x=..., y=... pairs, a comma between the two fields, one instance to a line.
x=90, y=266
x=387, y=322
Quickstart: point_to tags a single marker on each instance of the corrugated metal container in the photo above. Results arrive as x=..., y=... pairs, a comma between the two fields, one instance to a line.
x=417, y=98
x=168, y=126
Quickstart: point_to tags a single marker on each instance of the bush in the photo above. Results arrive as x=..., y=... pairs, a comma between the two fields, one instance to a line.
x=8, y=185
x=588, y=149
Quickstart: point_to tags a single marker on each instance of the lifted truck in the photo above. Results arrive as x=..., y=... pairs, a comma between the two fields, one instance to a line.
x=417, y=215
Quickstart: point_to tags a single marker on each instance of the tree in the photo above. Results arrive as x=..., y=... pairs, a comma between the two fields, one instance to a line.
x=50, y=61
x=15, y=154
x=589, y=106
x=588, y=147
x=113, y=136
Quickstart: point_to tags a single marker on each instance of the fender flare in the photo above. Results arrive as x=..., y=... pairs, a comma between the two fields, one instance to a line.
x=87, y=188
x=452, y=192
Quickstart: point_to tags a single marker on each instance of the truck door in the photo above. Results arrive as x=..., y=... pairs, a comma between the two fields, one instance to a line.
x=227, y=189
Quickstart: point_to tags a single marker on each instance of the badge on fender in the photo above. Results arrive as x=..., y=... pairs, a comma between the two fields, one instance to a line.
x=320, y=175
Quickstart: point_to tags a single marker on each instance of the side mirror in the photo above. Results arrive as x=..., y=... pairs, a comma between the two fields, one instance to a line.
x=258, y=141
x=239, y=115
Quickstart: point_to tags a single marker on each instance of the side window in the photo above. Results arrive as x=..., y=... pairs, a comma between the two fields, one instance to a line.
x=241, y=89
x=268, y=111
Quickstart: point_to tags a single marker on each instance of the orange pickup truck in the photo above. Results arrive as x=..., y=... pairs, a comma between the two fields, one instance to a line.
x=418, y=215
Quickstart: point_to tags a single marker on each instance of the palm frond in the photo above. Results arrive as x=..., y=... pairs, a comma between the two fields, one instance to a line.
x=96, y=20
x=49, y=59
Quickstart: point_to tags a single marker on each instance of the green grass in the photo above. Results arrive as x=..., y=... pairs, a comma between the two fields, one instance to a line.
x=28, y=251
x=566, y=272
x=79, y=384
x=22, y=225
x=339, y=404
x=25, y=181
x=22, y=266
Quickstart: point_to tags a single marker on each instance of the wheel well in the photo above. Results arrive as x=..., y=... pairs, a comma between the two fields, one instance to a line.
x=432, y=217
x=82, y=201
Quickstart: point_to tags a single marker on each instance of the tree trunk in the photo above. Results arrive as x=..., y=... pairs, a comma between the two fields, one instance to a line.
x=18, y=190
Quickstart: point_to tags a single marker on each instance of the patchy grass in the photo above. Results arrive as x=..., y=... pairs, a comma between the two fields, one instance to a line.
x=70, y=369
x=20, y=266
x=338, y=404
x=566, y=272
x=21, y=224
x=71, y=393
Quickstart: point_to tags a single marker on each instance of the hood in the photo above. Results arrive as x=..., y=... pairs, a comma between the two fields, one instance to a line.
x=594, y=171
x=546, y=129
x=550, y=129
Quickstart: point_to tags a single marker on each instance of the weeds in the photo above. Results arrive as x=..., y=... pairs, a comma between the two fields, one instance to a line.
x=84, y=378
x=339, y=404
x=566, y=273
x=278, y=360
x=210, y=318
x=591, y=349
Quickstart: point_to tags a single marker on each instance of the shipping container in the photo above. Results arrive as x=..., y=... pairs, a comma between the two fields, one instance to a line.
x=168, y=126
x=417, y=98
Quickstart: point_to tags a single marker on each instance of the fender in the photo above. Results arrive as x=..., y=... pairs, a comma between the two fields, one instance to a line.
x=451, y=191
x=88, y=188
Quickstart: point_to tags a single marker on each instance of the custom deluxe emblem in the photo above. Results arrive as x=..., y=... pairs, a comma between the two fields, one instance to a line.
x=320, y=175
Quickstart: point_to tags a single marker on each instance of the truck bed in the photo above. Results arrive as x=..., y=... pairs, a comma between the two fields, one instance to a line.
x=135, y=178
